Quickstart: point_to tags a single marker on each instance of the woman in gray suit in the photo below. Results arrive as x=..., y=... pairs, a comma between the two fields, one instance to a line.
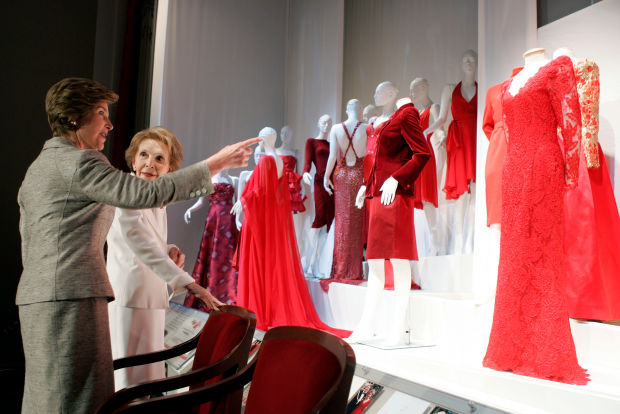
x=66, y=205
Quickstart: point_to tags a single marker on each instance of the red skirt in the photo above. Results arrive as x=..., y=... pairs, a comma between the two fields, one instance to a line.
x=391, y=234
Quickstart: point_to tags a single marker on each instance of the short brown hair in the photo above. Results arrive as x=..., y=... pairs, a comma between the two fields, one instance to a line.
x=162, y=135
x=69, y=102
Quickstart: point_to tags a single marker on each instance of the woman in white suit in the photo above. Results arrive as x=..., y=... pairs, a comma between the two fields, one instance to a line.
x=144, y=269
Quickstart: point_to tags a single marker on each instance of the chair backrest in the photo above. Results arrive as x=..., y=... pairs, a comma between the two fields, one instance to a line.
x=227, y=333
x=301, y=370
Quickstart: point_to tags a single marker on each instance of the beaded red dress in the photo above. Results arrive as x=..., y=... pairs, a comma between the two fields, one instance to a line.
x=294, y=183
x=349, y=222
x=592, y=224
x=461, y=145
x=317, y=152
x=426, y=184
x=531, y=333
x=213, y=268
x=271, y=280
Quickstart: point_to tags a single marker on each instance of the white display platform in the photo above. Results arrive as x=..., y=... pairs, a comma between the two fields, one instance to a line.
x=450, y=373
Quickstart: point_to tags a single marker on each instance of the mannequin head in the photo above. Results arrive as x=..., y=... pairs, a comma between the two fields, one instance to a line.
x=402, y=101
x=469, y=62
x=563, y=51
x=269, y=136
x=385, y=93
x=325, y=123
x=418, y=89
x=354, y=109
x=286, y=135
x=369, y=112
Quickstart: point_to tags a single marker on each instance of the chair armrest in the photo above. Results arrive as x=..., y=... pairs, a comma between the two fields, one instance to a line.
x=157, y=355
x=192, y=398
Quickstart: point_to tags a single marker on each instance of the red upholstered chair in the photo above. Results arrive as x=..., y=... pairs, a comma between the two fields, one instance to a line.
x=222, y=348
x=296, y=370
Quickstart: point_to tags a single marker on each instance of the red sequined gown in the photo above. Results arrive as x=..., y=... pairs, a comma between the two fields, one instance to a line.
x=461, y=145
x=271, y=280
x=213, y=268
x=348, y=234
x=531, y=333
x=294, y=183
x=426, y=184
x=592, y=224
x=317, y=152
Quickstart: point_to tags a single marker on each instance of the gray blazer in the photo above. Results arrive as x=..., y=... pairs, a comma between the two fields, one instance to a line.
x=66, y=208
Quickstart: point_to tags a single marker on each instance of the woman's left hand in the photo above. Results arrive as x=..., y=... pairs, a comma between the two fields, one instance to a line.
x=210, y=302
x=177, y=256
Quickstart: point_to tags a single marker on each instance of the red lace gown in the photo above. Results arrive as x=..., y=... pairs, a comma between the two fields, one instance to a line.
x=271, y=280
x=348, y=234
x=213, y=268
x=461, y=145
x=531, y=332
x=592, y=224
x=426, y=184
x=317, y=152
x=294, y=183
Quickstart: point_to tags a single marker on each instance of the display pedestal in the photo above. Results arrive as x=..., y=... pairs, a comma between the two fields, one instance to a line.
x=450, y=373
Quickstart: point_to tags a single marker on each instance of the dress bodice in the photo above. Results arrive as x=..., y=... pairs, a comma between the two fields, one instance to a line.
x=223, y=193
x=462, y=109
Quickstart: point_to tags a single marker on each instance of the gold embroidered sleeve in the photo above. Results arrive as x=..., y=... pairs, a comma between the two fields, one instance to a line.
x=588, y=87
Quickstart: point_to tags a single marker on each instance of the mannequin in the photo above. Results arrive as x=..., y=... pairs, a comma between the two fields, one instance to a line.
x=212, y=269
x=348, y=146
x=461, y=149
x=426, y=184
x=317, y=153
x=591, y=220
x=269, y=136
x=289, y=156
x=531, y=332
x=370, y=112
x=400, y=130
x=244, y=176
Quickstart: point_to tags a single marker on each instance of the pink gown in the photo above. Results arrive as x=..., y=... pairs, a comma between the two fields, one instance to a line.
x=271, y=280
x=348, y=234
x=592, y=225
x=531, y=332
x=213, y=268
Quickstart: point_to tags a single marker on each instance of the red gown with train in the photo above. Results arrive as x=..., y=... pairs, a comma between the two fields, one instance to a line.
x=271, y=281
x=531, y=333
x=294, y=183
x=426, y=184
x=592, y=224
x=461, y=145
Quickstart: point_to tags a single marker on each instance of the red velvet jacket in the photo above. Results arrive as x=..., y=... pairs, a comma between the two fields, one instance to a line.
x=401, y=152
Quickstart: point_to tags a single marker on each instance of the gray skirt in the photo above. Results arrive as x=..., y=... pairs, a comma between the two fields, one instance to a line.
x=68, y=356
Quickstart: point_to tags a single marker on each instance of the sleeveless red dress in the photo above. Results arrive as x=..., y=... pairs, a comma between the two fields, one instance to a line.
x=317, y=152
x=271, y=280
x=349, y=222
x=294, y=183
x=592, y=224
x=531, y=332
x=213, y=268
x=461, y=145
x=426, y=184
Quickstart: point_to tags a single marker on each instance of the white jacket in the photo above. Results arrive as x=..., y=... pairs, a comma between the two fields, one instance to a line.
x=140, y=270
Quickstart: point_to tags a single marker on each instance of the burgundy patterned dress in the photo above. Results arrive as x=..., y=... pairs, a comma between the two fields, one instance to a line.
x=294, y=183
x=348, y=234
x=213, y=268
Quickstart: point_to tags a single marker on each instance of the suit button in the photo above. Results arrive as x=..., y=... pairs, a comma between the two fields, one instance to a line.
x=204, y=190
x=192, y=194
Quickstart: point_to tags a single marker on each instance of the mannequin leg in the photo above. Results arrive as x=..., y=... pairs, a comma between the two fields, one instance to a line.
x=430, y=212
x=470, y=219
x=397, y=334
x=365, y=328
x=460, y=211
